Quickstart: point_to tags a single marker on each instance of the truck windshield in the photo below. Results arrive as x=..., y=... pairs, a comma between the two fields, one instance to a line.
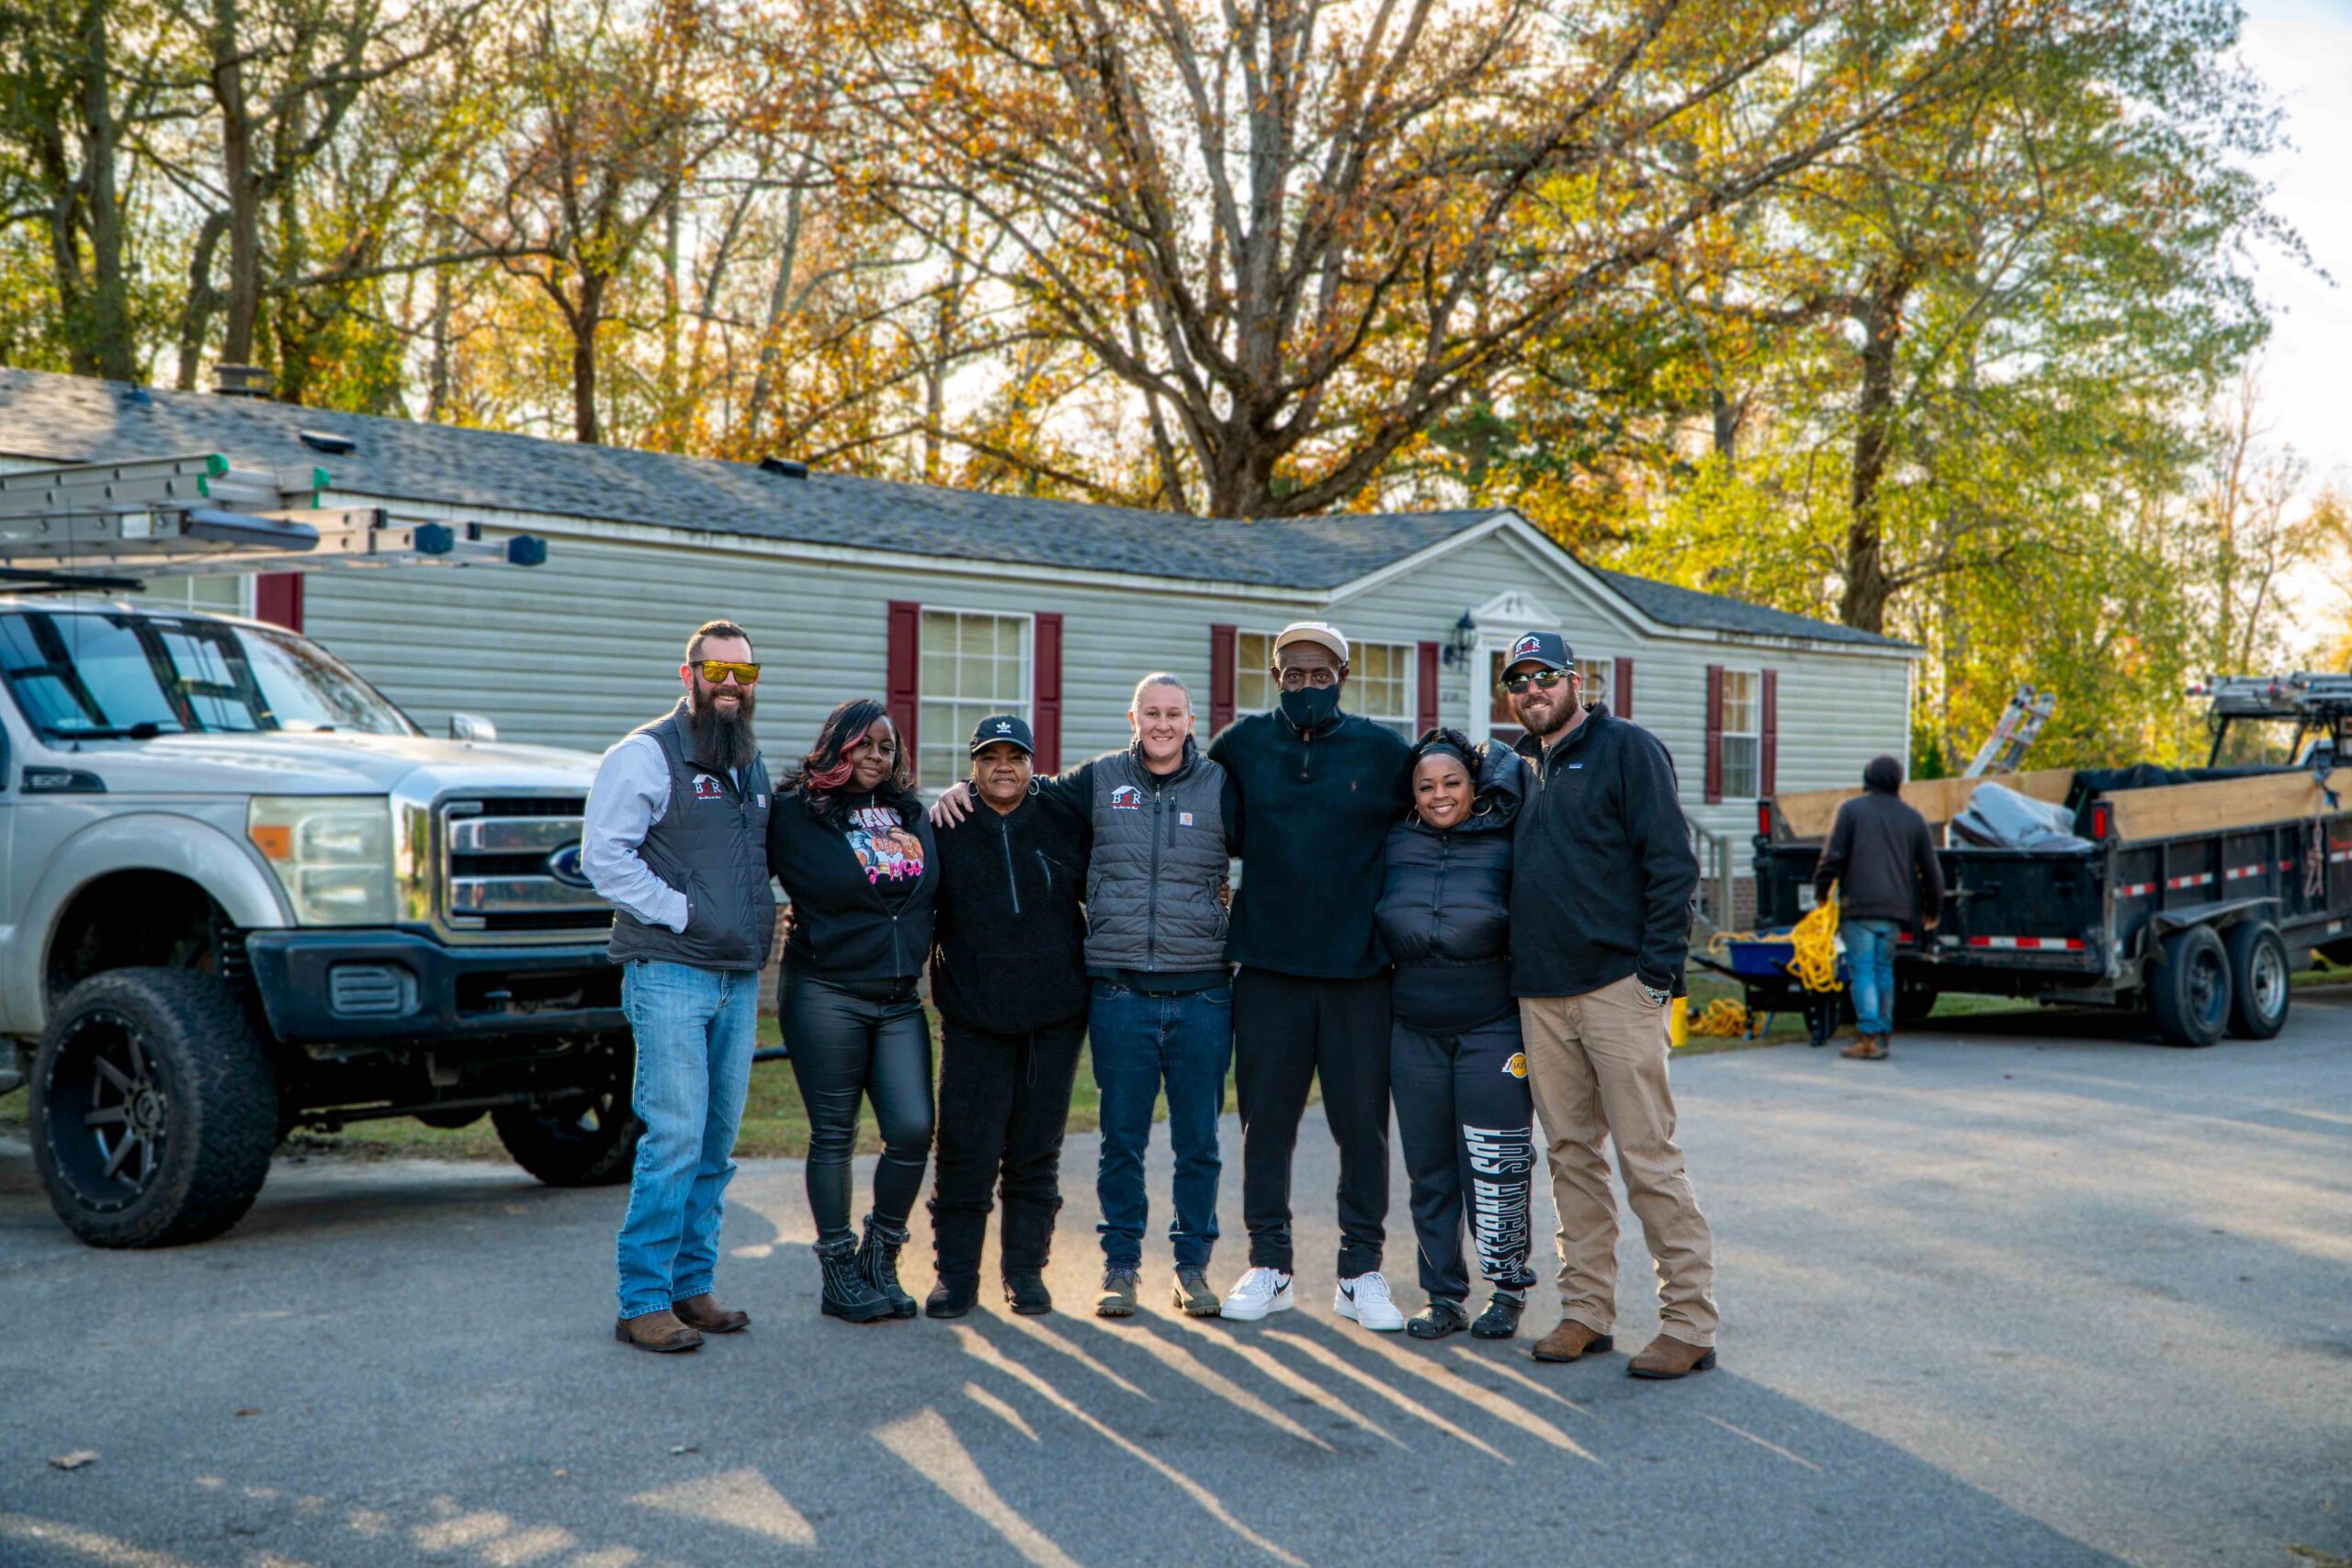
x=102, y=675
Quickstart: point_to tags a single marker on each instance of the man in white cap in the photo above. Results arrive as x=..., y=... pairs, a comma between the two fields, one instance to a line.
x=1310, y=795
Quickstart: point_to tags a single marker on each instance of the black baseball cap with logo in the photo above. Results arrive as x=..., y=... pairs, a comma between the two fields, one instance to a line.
x=1007, y=726
x=1548, y=648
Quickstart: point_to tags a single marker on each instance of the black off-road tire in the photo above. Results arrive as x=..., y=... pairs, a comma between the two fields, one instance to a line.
x=590, y=1141
x=1915, y=1001
x=2260, y=992
x=185, y=1109
x=2189, y=991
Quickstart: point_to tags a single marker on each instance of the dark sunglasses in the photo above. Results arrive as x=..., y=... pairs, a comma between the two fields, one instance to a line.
x=716, y=670
x=1543, y=680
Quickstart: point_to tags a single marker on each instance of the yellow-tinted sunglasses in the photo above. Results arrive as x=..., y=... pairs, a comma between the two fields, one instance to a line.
x=716, y=671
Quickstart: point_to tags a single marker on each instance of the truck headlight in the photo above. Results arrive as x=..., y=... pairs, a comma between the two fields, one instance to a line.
x=331, y=853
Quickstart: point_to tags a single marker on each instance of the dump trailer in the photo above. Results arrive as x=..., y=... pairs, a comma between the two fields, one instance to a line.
x=2196, y=893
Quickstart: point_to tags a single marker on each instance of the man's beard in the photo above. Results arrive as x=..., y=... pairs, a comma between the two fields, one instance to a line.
x=1552, y=723
x=722, y=741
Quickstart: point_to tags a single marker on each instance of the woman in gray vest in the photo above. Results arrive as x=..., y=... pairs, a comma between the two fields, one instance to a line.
x=848, y=840
x=1161, y=1011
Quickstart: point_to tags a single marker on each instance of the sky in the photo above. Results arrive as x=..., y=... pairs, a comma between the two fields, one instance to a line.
x=2303, y=49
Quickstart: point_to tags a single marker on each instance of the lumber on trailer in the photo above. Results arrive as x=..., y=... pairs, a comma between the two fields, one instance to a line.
x=2171, y=810
x=1811, y=813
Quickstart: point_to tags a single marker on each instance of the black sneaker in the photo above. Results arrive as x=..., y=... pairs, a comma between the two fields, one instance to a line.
x=1500, y=1320
x=952, y=1298
x=1028, y=1294
x=1437, y=1320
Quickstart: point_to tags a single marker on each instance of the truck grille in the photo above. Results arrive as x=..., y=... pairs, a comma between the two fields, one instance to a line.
x=511, y=867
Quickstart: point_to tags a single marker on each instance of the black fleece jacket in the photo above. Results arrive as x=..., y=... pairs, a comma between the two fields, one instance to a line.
x=844, y=928
x=1308, y=812
x=1882, y=854
x=1601, y=882
x=1010, y=943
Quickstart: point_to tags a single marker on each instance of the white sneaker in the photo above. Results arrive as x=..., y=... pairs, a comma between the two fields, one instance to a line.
x=1366, y=1300
x=1260, y=1291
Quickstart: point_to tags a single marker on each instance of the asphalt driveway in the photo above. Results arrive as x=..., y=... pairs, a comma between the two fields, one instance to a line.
x=2007, y=1298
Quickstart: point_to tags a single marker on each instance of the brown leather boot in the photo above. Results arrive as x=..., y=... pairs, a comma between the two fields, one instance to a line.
x=1571, y=1341
x=1669, y=1358
x=1866, y=1048
x=704, y=1312
x=660, y=1332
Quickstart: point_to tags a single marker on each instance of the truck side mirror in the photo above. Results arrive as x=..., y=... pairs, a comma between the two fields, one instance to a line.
x=472, y=726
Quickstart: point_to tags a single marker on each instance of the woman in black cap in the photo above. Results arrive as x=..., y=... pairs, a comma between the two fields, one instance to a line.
x=1008, y=976
x=848, y=840
x=1455, y=1065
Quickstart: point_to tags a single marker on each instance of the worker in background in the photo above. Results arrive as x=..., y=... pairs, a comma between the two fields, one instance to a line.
x=1883, y=858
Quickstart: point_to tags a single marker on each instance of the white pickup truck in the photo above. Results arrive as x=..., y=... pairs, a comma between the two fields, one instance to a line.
x=241, y=891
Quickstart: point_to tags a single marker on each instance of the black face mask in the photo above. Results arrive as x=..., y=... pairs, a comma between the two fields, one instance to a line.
x=1311, y=707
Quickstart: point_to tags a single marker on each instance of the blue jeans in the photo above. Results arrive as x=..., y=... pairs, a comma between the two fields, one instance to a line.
x=1140, y=1042
x=1869, y=956
x=695, y=1031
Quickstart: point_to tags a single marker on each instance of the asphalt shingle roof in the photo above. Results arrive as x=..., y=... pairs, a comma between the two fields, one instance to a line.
x=78, y=419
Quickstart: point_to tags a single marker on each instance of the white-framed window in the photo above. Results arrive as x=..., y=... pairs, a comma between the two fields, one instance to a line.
x=1743, y=733
x=974, y=664
x=227, y=594
x=1384, y=680
x=1597, y=677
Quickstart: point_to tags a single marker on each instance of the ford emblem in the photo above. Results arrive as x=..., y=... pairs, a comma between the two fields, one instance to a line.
x=565, y=867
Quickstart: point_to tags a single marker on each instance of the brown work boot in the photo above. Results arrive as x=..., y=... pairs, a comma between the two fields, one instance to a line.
x=704, y=1312
x=1866, y=1048
x=1671, y=1357
x=660, y=1332
x=1571, y=1341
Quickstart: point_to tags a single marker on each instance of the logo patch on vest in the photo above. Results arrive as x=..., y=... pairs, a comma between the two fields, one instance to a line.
x=1184, y=819
x=707, y=788
x=1127, y=797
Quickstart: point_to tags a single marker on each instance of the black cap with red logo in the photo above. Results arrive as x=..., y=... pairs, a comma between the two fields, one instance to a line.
x=1548, y=648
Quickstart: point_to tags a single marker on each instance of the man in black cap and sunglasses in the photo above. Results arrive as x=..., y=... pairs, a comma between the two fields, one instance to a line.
x=1600, y=927
x=675, y=837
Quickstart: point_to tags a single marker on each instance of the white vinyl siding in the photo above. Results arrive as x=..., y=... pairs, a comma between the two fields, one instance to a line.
x=974, y=663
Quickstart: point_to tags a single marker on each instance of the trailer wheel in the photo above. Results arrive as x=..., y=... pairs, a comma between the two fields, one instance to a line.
x=1915, y=1001
x=586, y=1140
x=154, y=1109
x=2259, y=992
x=2189, y=993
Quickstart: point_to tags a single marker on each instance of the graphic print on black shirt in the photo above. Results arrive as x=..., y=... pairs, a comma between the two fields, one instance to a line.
x=883, y=846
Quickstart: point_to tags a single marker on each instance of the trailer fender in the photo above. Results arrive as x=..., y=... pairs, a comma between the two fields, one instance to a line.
x=2221, y=917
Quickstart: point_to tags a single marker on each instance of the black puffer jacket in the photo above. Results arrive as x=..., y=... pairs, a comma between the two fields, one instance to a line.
x=1445, y=909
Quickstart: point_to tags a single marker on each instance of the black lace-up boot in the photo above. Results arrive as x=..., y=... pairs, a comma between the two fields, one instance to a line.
x=848, y=1294
x=877, y=1260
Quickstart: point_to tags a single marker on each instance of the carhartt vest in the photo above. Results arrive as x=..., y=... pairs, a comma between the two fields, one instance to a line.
x=712, y=845
x=1158, y=860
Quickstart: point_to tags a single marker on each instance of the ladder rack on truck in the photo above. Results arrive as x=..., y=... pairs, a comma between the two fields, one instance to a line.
x=2195, y=895
x=114, y=527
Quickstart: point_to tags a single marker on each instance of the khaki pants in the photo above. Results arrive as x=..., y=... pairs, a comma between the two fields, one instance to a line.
x=1597, y=1065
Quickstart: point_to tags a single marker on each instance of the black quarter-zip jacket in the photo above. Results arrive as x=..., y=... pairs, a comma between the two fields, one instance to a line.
x=1603, y=870
x=1310, y=812
x=844, y=928
x=1010, y=953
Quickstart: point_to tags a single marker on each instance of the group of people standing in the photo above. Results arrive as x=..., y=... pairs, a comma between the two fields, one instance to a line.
x=1481, y=936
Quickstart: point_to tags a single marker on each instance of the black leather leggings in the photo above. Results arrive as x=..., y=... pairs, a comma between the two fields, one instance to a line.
x=844, y=1046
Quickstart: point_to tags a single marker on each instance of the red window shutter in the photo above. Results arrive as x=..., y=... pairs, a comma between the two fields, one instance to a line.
x=1714, y=734
x=1047, y=720
x=1427, y=689
x=1621, y=690
x=278, y=599
x=903, y=693
x=1224, y=644
x=1768, y=746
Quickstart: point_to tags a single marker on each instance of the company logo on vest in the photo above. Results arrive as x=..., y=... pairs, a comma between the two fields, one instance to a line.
x=1127, y=797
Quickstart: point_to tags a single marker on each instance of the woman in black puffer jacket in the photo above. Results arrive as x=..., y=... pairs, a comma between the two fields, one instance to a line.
x=1454, y=1064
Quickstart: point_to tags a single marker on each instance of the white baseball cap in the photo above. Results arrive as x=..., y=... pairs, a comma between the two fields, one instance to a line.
x=1323, y=634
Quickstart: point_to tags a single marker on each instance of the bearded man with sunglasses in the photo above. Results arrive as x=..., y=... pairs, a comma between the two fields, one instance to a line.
x=675, y=837
x=1600, y=927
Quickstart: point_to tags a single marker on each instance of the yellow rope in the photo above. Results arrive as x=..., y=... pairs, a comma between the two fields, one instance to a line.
x=1815, y=963
x=1724, y=1018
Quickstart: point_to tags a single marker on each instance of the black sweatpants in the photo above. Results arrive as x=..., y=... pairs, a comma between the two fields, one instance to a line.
x=844, y=1047
x=1468, y=1126
x=1287, y=1033
x=1003, y=1103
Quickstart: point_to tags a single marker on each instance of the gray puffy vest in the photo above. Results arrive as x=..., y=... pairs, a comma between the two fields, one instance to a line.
x=1157, y=861
x=712, y=845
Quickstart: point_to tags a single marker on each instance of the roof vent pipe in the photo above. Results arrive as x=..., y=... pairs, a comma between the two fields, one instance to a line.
x=785, y=467
x=239, y=381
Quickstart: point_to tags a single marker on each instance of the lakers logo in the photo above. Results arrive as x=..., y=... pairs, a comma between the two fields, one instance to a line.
x=1517, y=1065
